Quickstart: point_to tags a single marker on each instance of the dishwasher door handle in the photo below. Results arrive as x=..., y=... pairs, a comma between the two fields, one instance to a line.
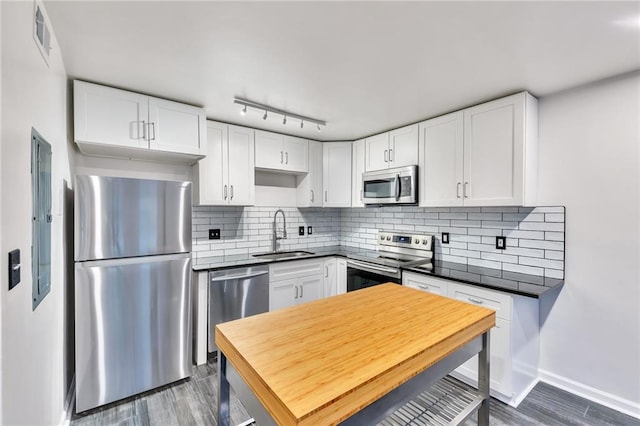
x=237, y=277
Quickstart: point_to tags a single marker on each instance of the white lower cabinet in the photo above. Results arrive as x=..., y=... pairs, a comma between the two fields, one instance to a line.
x=330, y=277
x=291, y=283
x=514, y=341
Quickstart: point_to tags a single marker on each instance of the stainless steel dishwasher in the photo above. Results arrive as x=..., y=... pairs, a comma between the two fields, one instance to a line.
x=235, y=294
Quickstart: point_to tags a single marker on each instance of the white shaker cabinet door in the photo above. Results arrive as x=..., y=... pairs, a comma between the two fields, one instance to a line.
x=209, y=173
x=441, y=160
x=403, y=146
x=107, y=116
x=296, y=154
x=240, y=166
x=269, y=150
x=176, y=127
x=283, y=294
x=377, y=152
x=336, y=174
x=330, y=277
x=357, y=171
x=310, y=288
x=493, y=149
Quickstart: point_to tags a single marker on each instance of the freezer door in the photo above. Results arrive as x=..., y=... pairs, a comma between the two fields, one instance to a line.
x=133, y=326
x=123, y=217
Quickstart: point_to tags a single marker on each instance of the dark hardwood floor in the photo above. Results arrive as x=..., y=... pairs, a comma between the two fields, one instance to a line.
x=193, y=401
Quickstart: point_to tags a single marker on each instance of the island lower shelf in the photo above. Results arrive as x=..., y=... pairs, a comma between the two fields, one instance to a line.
x=354, y=357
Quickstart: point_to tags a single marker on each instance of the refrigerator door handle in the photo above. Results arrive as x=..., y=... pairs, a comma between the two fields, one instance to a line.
x=132, y=260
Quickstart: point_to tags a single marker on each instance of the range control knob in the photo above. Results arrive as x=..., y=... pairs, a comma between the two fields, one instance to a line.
x=424, y=241
x=382, y=237
x=416, y=241
x=388, y=238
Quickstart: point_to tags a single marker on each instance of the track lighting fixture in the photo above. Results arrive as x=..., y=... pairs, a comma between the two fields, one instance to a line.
x=285, y=114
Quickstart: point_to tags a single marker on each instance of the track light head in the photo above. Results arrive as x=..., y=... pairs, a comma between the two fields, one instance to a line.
x=318, y=128
x=284, y=120
x=243, y=111
x=264, y=117
x=301, y=124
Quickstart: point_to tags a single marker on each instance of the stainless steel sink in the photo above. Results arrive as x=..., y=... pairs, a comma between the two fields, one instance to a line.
x=283, y=255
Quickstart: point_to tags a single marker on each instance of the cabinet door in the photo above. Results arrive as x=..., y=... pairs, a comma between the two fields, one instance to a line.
x=309, y=186
x=493, y=152
x=103, y=115
x=341, y=276
x=310, y=288
x=357, y=170
x=283, y=294
x=296, y=154
x=330, y=278
x=209, y=173
x=500, y=358
x=377, y=152
x=176, y=127
x=336, y=174
x=269, y=150
x=403, y=146
x=440, y=160
x=240, y=167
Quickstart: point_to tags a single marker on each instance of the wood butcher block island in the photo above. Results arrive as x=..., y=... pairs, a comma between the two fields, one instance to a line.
x=332, y=360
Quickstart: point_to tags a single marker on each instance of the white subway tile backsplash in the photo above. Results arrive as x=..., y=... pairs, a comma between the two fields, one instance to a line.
x=533, y=234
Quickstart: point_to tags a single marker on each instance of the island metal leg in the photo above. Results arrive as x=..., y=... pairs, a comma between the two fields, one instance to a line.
x=224, y=415
x=484, y=381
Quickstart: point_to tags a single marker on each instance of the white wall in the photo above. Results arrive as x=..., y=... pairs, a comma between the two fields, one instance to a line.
x=590, y=162
x=33, y=382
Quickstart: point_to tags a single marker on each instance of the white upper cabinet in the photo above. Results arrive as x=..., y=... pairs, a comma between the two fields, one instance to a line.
x=118, y=123
x=403, y=146
x=377, y=152
x=284, y=153
x=357, y=169
x=440, y=160
x=397, y=148
x=500, y=152
x=309, y=186
x=226, y=175
x=336, y=174
x=485, y=155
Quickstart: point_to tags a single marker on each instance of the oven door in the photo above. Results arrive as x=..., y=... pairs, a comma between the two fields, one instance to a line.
x=364, y=274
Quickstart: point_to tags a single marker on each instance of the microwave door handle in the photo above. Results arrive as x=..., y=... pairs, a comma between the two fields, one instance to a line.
x=398, y=187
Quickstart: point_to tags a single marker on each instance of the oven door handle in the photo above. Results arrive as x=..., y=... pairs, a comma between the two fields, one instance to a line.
x=370, y=267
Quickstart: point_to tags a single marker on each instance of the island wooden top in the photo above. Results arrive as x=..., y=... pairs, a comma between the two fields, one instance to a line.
x=318, y=363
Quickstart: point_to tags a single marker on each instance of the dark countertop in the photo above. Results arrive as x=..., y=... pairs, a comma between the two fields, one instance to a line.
x=495, y=279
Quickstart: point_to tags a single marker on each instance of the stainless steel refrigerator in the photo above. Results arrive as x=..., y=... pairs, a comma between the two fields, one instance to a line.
x=132, y=286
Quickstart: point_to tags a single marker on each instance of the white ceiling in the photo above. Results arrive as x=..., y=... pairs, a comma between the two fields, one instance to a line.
x=364, y=67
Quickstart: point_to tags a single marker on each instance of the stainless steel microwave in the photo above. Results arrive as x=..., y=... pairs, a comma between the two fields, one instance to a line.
x=390, y=186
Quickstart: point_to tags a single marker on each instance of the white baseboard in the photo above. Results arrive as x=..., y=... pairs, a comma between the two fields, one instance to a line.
x=608, y=400
x=69, y=403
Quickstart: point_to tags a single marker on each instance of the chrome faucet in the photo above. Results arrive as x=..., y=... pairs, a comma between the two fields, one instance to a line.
x=275, y=229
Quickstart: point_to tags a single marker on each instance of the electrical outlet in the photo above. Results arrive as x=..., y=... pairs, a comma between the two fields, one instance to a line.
x=300, y=230
x=214, y=234
x=445, y=238
x=501, y=243
x=310, y=230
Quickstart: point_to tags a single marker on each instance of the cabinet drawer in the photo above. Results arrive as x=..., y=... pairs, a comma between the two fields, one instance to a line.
x=499, y=302
x=425, y=283
x=295, y=269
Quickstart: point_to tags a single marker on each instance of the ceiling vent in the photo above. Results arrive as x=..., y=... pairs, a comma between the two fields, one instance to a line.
x=41, y=31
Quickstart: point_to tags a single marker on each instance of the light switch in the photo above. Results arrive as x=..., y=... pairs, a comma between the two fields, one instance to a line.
x=14, y=268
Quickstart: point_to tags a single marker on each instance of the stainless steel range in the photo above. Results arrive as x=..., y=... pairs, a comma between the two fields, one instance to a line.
x=394, y=251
